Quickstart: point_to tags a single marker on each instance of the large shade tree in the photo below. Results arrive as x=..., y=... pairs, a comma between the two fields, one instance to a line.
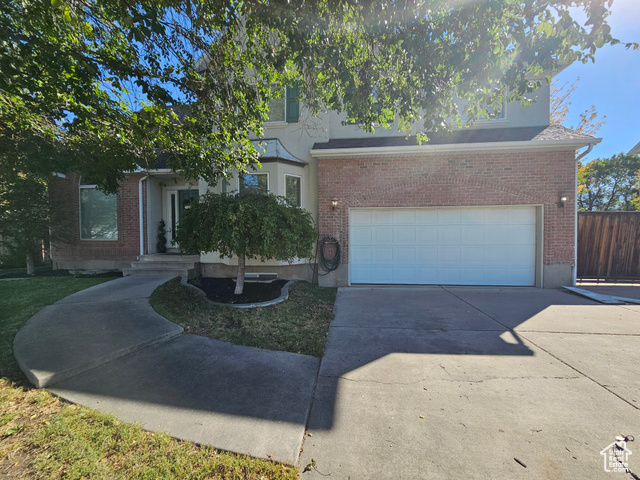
x=610, y=184
x=101, y=86
x=245, y=226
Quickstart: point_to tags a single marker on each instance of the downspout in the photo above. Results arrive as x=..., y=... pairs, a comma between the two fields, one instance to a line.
x=141, y=214
x=574, y=278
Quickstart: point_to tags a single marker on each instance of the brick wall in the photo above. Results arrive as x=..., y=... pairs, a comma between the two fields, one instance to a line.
x=67, y=247
x=453, y=180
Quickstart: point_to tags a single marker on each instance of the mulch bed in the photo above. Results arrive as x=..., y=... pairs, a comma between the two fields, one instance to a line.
x=221, y=290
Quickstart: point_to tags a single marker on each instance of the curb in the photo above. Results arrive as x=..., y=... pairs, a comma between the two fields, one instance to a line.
x=284, y=295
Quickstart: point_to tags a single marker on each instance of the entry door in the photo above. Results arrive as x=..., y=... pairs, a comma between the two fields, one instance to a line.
x=448, y=246
x=177, y=202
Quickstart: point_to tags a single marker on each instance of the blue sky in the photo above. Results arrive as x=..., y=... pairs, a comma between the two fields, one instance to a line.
x=612, y=84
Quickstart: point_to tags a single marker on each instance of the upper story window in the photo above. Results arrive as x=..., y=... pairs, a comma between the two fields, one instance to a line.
x=285, y=108
x=253, y=183
x=292, y=190
x=98, y=213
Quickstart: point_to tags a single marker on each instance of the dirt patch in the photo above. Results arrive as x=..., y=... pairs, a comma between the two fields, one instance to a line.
x=221, y=290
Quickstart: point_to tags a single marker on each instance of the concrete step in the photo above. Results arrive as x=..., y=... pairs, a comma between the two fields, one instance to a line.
x=167, y=265
x=159, y=257
x=183, y=272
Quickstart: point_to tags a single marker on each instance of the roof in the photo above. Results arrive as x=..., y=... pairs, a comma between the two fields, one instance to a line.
x=484, y=135
x=272, y=150
x=635, y=150
x=484, y=139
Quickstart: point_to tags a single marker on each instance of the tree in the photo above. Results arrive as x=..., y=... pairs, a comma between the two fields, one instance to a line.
x=247, y=226
x=24, y=215
x=101, y=86
x=590, y=122
x=610, y=184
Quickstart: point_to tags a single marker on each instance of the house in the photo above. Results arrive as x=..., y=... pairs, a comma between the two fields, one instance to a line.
x=635, y=150
x=494, y=204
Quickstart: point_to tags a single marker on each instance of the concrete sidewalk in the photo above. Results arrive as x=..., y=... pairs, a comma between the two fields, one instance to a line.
x=106, y=348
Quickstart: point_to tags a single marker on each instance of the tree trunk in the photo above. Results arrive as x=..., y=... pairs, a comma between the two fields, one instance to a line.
x=240, y=280
x=31, y=271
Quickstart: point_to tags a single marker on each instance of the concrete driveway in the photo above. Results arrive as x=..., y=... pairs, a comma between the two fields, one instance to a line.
x=462, y=382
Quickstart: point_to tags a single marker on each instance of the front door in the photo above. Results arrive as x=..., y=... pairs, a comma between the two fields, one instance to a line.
x=177, y=202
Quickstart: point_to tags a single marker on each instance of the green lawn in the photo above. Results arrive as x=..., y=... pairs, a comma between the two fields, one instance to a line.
x=298, y=325
x=44, y=437
x=20, y=300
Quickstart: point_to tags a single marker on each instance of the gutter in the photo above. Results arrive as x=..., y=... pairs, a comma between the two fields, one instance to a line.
x=453, y=147
x=574, y=278
x=141, y=213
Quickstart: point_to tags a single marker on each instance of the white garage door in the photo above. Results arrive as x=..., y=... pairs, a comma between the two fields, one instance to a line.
x=448, y=246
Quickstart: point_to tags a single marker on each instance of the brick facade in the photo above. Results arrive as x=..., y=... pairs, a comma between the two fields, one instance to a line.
x=69, y=251
x=513, y=178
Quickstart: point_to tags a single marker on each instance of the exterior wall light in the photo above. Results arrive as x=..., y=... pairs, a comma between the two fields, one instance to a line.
x=334, y=203
x=562, y=200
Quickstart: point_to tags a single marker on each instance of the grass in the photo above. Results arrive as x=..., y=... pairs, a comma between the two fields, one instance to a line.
x=44, y=437
x=298, y=325
x=20, y=299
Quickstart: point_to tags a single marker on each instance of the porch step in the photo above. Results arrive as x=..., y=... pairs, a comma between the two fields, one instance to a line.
x=185, y=266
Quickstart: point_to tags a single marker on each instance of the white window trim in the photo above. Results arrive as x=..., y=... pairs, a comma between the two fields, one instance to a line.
x=283, y=122
x=276, y=124
x=81, y=187
x=256, y=173
x=503, y=119
x=285, y=186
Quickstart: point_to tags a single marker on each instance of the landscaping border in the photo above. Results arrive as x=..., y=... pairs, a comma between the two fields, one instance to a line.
x=284, y=295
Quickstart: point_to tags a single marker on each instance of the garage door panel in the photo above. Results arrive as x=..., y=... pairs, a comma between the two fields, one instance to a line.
x=362, y=236
x=382, y=217
x=405, y=235
x=405, y=255
x=427, y=217
x=496, y=216
x=450, y=235
x=427, y=236
x=457, y=246
x=361, y=217
x=521, y=255
x=495, y=256
x=383, y=275
x=448, y=215
x=472, y=235
x=427, y=255
x=521, y=234
x=519, y=276
x=522, y=215
x=426, y=275
x=472, y=216
x=449, y=255
x=404, y=275
x=383, y=236
x=403, y=217
x=495, y=234
x=383, y=255
x=449, y=275
x=472, y=256
x=472, y=276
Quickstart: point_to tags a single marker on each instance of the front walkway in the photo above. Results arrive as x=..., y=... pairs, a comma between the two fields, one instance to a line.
x=106, y=348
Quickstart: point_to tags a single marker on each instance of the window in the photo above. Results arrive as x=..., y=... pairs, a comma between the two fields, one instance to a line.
x=98, y=213
x=285, y=108
x=292, y=190
x=253, y=183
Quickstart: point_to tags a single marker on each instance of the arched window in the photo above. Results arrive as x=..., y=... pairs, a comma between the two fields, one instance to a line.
x=98, y=213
